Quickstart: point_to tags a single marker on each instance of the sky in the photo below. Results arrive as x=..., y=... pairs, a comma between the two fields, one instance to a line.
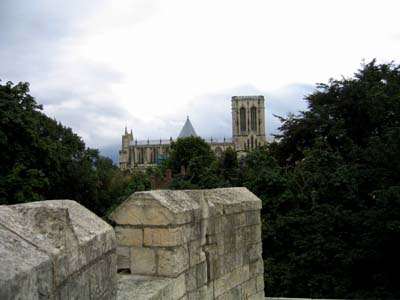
x=98, y=66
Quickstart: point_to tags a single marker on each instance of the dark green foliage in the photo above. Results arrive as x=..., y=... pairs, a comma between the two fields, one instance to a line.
x=330, y=184
x=228, y=167
x=331, y=191
x=41, y=159
x=193, y=164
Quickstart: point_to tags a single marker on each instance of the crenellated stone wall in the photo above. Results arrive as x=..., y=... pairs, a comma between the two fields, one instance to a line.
x=56, y=250
x=197, y=244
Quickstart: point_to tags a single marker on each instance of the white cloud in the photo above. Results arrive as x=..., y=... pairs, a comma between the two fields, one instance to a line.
x=148, y=63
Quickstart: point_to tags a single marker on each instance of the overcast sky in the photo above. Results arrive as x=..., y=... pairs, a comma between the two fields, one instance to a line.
x=97, y=66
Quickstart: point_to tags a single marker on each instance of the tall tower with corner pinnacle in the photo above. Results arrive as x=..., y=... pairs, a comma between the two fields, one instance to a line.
x=248, y=122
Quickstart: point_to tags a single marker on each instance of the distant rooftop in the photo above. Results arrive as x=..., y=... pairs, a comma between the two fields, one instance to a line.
x=187, y=129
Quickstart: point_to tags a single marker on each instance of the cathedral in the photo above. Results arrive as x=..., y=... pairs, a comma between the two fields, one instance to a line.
x=248, y=133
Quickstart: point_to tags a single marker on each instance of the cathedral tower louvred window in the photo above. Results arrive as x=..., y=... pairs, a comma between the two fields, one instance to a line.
x=253, y=118
x=242, y=119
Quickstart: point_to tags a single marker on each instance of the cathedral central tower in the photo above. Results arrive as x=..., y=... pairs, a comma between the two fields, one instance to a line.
x=248, y=122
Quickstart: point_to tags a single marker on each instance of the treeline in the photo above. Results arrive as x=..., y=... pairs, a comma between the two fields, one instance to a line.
x=330, y=182
x=330, y=186
x=42, y=159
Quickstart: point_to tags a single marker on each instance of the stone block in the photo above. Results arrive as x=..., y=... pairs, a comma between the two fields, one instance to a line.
x=206, y=292
x=249, y=288
x=218, y=267
x=102, y=277
x=129, y=236
x=78, y=287
x=258, y=296
x=257, y=268
x=172, y=262
x=216, y=225
x=123, y=258
x=191, y=232
x=191, y=279
x=71, y=239
x=229, y=241
x=232, y=294
x=251, y=234
x=158, y=207
x=231, y=280
x=201, y=274
x=163, y=237
x=25, y=271
x=238, y=220
x=177, y=289
x=196, y=254
x=255, y=252
x=233, y=200
x=143, y=261
x=221, y=244
x=260, y=283
x=253, y=217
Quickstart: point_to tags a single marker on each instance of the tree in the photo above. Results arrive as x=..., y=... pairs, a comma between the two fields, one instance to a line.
x=194, y=157
x=332, y=221
x=42, y=159
x=228, y=167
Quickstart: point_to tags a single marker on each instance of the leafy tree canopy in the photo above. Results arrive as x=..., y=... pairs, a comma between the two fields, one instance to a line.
x=42, y=159
x=331, y=191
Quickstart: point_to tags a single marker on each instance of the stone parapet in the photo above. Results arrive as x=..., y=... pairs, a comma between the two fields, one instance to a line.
x=208, y=242
x=56, y=250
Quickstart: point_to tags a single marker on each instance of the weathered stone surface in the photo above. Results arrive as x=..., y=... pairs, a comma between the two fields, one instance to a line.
x=163, y=236
x=249, y=288
x=25, y=271
x=232, y=200
x=143, y=261
x=139, y=287
x=123, y=258
x=159, y=207
x=230, y=280
x=208, y=239
x=48, y=248
x=129, y=236
x=172, y=262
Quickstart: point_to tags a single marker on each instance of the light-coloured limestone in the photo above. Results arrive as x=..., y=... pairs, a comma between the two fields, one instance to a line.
x=139, y=287
x=211, y=239
x=129, y=236
x=257, y=267
x=260, y=283
x=123, y=257
x=258, y=296
x=52, y=250
x=143, y=261
x=231, y=280
x=196, y=254
x=249, y=288
x=172, y=262
x=164, y=237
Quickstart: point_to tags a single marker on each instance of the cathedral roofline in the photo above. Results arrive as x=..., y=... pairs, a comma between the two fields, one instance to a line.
x=187, y=129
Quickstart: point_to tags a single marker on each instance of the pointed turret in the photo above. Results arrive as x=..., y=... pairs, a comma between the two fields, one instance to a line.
x=187, y=129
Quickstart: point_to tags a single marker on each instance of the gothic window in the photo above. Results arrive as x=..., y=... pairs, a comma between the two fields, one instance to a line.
x=253, y=118
x=242, y=119
x=252, y=143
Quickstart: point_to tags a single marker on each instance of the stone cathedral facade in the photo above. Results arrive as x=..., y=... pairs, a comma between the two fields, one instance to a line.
x=248, y=133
